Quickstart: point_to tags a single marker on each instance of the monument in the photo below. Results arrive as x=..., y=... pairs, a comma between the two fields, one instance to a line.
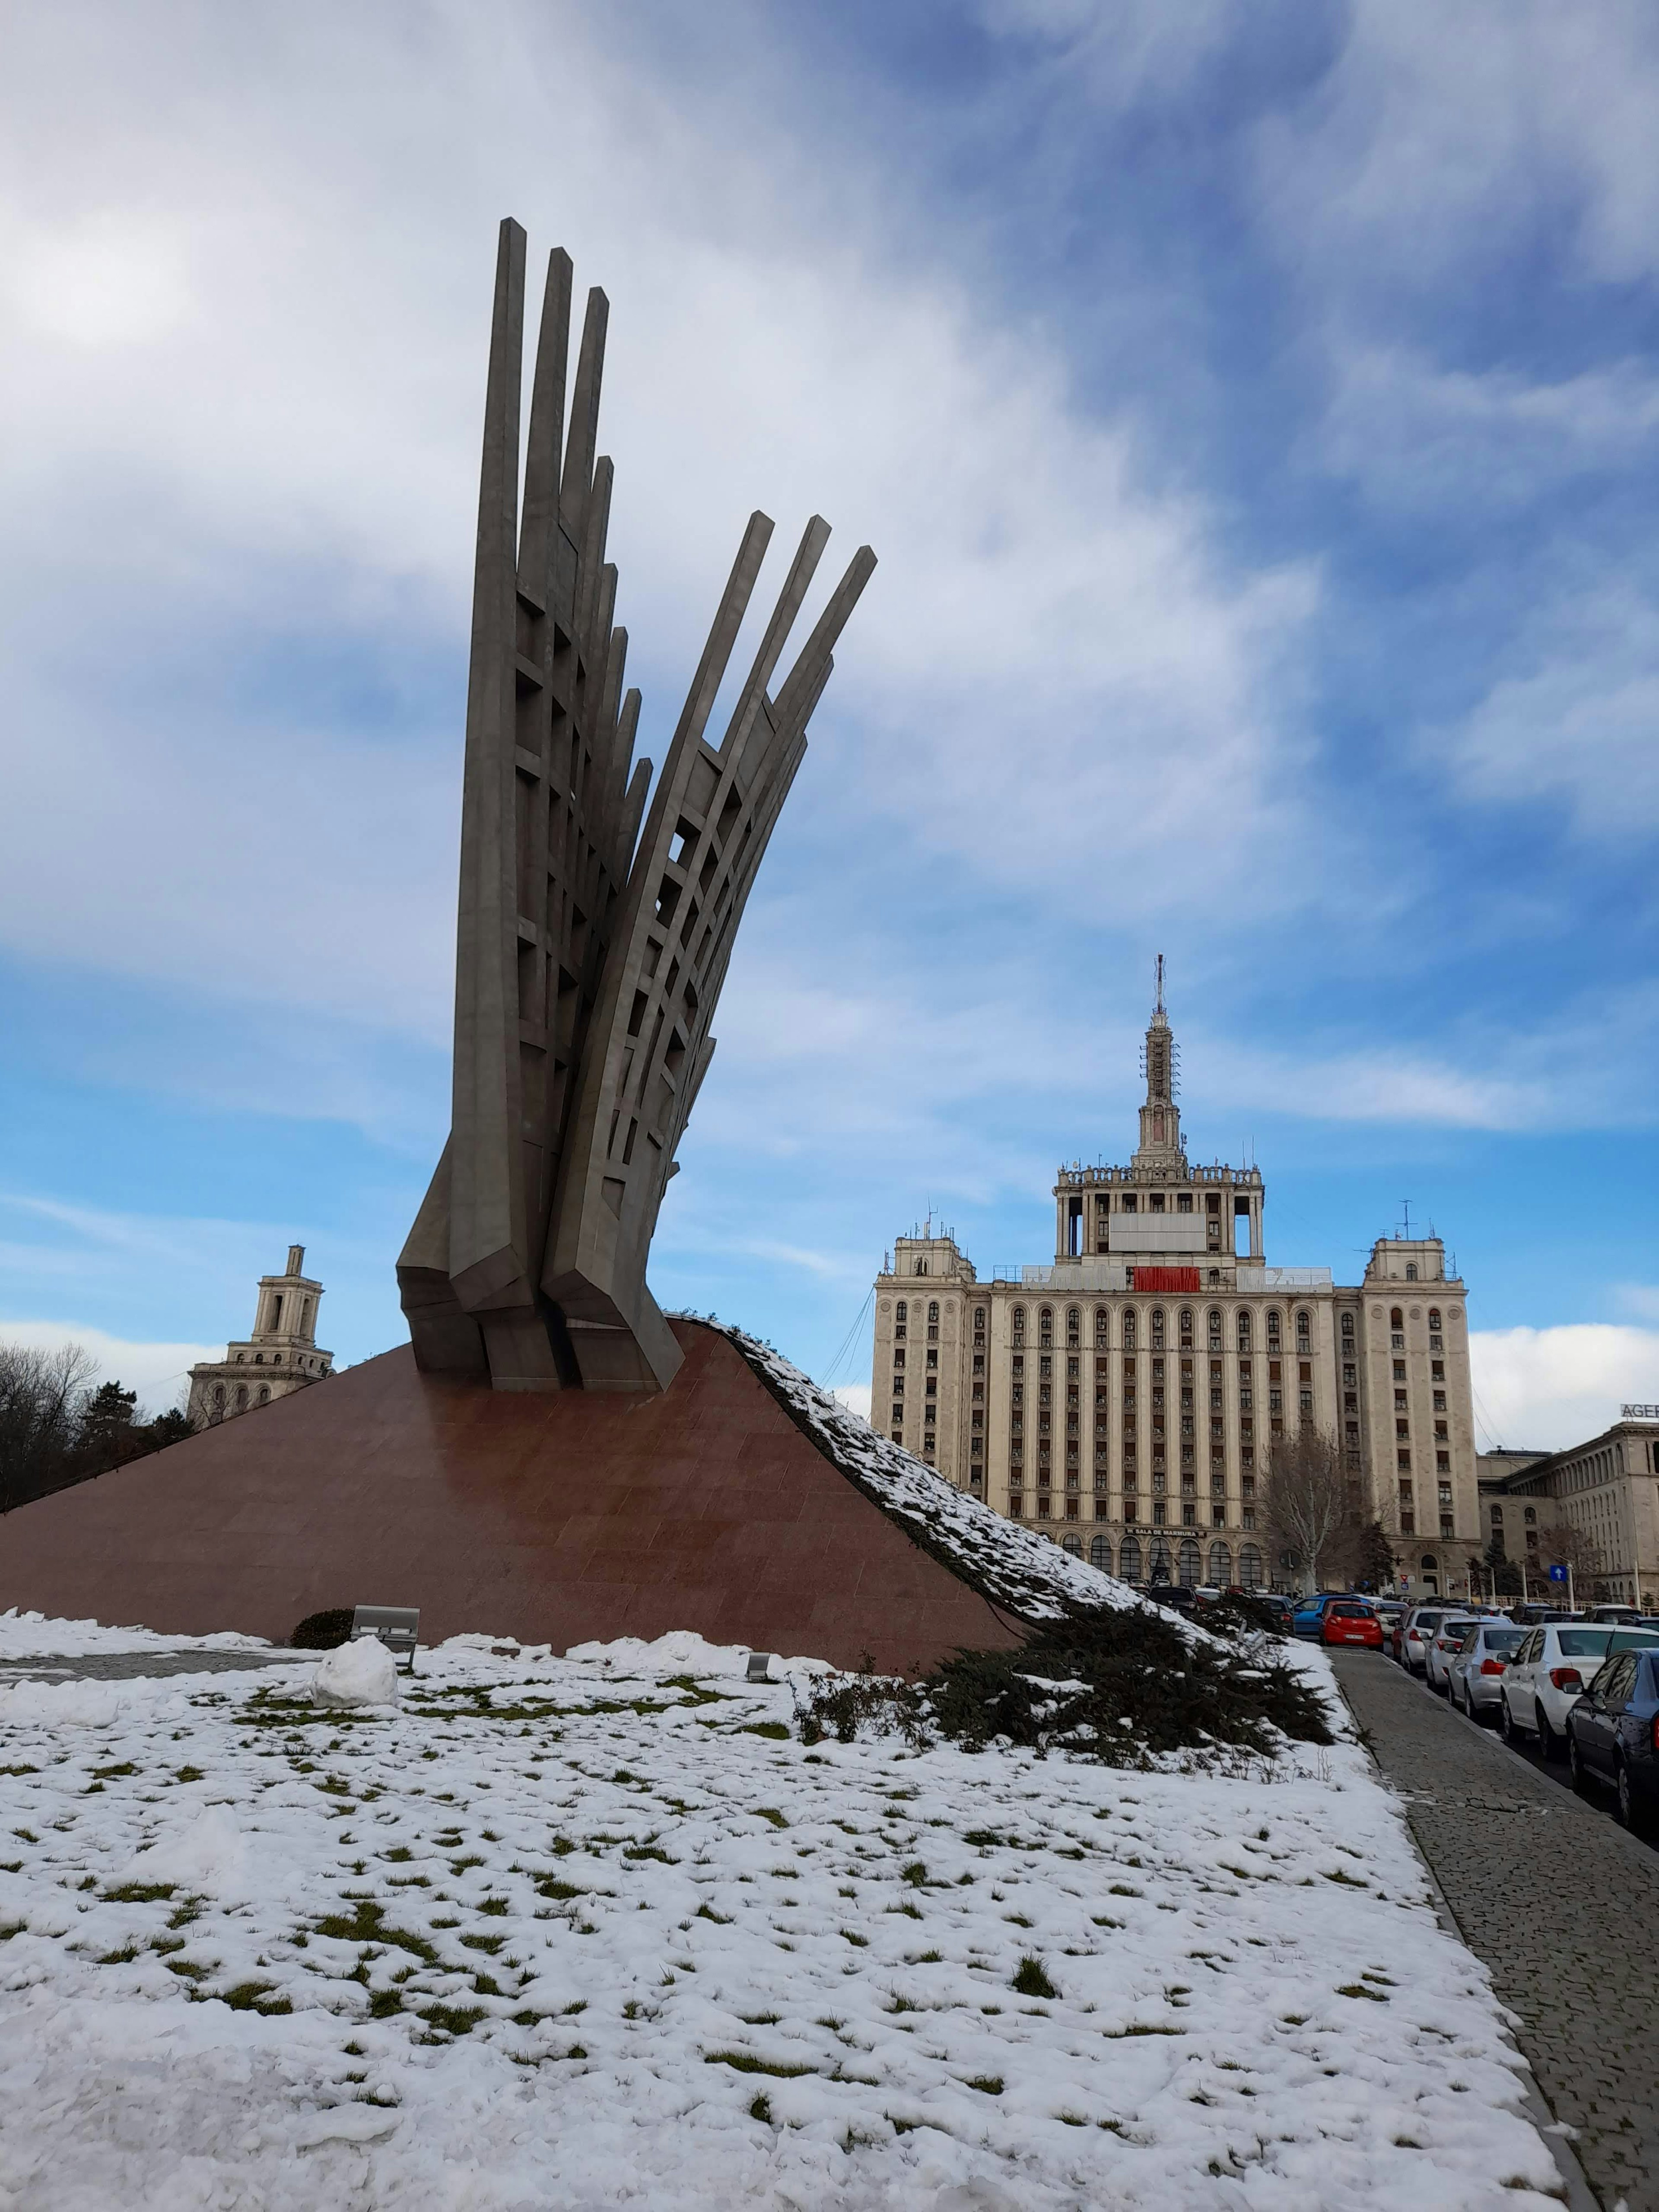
x=551, y=1457
x=589, y=956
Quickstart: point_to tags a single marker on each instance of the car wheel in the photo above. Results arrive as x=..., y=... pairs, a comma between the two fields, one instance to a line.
x=1576, y=1767
x=1632, y=1814
x=1548, y=1741
x=1505, y=1721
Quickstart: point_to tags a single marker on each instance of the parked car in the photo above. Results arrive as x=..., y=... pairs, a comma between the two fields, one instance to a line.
x=1612, y=1735
x=1172, y=1594
x=1420, y=1624
x=1351, y=1620
x=1532, y=1616
x=1277, y=1602
x=1443, y=1647
x=1618, y=1616
x=1553, y=1667
x=1310, y=1614
x=1475, y=1675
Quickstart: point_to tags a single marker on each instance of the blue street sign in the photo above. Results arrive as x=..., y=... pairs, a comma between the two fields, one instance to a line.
x=1557, y=1574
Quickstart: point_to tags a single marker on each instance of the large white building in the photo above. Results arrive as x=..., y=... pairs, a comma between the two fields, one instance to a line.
x=1125, y=1396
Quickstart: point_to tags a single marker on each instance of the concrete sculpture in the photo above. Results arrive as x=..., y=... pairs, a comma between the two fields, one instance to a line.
x=589, y=955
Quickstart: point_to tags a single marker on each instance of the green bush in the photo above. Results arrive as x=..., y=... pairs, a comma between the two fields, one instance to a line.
x=1115, y=1684
x=324, y=1631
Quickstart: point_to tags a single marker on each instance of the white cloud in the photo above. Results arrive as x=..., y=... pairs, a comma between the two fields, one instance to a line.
x=269, y=374
x=855, y=1396
x=158, y=1372
x=1547, y=1388
x=1581, y=725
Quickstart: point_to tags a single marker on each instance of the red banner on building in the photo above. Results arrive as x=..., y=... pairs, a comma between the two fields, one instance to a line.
x=1169, y=1280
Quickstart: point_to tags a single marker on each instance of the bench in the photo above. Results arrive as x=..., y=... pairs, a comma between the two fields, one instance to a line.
x=760, y=1667
x=396, y=1625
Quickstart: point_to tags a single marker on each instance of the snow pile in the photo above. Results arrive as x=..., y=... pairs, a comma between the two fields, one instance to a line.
x=361, y=1674
x=1011, y=1565
x=567, y=1933
x=33, y=1636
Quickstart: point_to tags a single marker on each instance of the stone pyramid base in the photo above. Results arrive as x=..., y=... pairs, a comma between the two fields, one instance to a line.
x=557, y=1519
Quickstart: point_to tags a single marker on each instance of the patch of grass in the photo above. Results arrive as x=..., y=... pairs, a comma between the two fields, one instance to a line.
x=776, y=1731
x=988, y=2085
x=761, y=2109
x=1348, y=1881
x=706, y=1911
x=491, y=1944
x=649, y=1851
x=256, y=1996
x=495, y=1908
x=111, y=1773
x=139, y=1892
x=1359, y=1989
x=746, y=2061
x=771, y=1813
x=1030, y=1980
x=562, y=1892
x=915, y=1874
x=453, y=2019
x=368, y=1924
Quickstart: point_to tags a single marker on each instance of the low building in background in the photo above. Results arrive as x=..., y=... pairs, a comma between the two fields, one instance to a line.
x=1594, y=1506
x=279, y=1357
x=1126, y=1398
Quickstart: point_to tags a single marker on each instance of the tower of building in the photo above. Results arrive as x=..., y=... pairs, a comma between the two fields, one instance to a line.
x=281, y=1352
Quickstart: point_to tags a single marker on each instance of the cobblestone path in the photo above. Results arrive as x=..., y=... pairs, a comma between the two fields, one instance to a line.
x=126, y=1666
x=1561, y=1904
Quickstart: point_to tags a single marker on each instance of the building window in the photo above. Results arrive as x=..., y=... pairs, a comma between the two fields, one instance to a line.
x=1128, y=1558
x=1129, y=1329
x=1245, y=1332
x=1100, y=1553
x=1018, y=1320
x=933, y=1313
x=1189, y=1563
x=1221, y=1565
x=1528, y=1514
x=1044, y=1504
x=1102, y=1336
x=1157, y=1328
x=1411, y=1271
x=1215, y=1328
x=1046, y=1327
x=1249, y=1567
x=1186, y=1328
x=1074, y=1325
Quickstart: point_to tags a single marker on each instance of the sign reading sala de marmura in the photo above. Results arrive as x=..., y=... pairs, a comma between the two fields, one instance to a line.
x=590, y=951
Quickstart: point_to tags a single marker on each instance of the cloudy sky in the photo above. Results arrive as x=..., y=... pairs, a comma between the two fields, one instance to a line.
x=1256, y=411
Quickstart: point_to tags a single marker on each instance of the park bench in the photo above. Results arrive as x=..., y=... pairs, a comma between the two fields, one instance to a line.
x=397, y=1627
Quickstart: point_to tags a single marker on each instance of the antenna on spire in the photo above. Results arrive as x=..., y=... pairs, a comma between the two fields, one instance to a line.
x=1159, y=1007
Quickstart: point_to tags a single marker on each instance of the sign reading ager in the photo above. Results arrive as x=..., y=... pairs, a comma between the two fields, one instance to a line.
x=1639, y=1412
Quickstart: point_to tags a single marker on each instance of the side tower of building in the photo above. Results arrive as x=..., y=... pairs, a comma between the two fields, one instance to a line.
x=279, y=1357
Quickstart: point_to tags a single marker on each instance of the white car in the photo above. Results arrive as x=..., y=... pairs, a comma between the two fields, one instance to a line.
x=1442, y=1647
x=1551, y=1671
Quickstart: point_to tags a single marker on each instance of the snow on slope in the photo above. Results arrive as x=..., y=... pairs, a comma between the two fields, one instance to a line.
x=1013, y=1566
x=599, y=1931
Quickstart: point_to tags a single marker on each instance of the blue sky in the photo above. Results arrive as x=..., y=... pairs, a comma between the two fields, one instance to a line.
x=1255, y=411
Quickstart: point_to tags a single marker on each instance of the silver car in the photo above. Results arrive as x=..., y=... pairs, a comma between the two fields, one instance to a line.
x=1443, y=1647
x=1475, y=1678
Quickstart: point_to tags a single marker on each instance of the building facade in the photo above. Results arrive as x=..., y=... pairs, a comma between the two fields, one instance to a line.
x=1604, y=1492
x=279, y=1357
x=1126, y=1397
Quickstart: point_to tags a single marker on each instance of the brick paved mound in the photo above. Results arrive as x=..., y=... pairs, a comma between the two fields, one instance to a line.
x=741, y=1502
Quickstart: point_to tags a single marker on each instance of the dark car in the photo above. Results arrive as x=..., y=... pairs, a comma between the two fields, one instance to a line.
x=1612, y=1736
x=1533, y=1616
x=1172, y=1594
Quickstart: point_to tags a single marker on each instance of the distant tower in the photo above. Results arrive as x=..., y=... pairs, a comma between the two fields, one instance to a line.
x=282, y=1349
x=1160, y=1117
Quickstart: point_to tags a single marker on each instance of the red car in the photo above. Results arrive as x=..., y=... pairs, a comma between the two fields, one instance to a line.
x=1351, y=1624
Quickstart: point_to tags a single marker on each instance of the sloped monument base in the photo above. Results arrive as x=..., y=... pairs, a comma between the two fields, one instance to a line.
x=554, y=1519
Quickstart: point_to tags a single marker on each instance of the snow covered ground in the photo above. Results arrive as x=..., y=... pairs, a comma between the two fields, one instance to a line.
x=601, y=1931
x=31, y=1636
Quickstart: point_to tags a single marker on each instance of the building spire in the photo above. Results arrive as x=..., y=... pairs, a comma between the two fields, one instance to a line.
x=1160, y=1117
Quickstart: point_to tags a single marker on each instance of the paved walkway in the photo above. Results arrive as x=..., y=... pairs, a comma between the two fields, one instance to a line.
x=1561, y=1904
x=126, y=1666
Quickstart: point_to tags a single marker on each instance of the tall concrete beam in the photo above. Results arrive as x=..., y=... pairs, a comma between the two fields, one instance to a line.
x=589, y=953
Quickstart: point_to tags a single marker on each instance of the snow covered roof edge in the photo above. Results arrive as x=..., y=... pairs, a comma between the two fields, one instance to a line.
x=1012, y=1566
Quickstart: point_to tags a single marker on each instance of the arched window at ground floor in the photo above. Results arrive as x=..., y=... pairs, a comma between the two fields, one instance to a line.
x=1189, y=1562
x=1074, y=1545
x=1100, y=1553
x=1250, y=1566
x=1221, y=1565
x=1128, y=1558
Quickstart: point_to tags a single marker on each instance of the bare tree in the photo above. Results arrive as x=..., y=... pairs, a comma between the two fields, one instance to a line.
x=1308, y=1503
x=1568, y=1546
x=43, y=1395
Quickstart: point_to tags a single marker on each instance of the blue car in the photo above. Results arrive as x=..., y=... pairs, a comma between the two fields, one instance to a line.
x=1309, y=1618
x=1612, y=1736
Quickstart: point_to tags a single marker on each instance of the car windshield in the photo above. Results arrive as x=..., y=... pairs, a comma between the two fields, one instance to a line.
x=1503, y=1639
x=1582, y=1643
x=1350, y=1613
x=1428, y=1622
x=1634, y=1639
